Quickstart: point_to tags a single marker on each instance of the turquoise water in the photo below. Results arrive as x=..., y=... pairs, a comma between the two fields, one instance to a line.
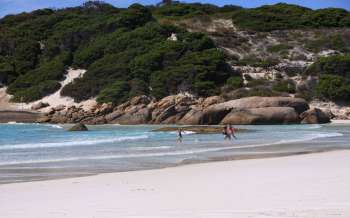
x=42, y=151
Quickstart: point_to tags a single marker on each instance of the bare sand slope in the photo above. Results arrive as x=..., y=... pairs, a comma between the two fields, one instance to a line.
x=53, y=99
x=305, y=186
x=5, y=103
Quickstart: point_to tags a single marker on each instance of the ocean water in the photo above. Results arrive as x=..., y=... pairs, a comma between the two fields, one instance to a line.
x=31, y=152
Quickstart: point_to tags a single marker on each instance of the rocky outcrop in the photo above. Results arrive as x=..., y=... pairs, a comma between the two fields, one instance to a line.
x=78, y=127
x=314, y=116
x=59, y=107
x=300, y=105
x=216, y=113
x=39, y=106
x=265, y=115
x=188, y=110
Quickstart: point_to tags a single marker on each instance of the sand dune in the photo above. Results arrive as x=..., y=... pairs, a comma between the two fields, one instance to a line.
x=53, y=99
x=305, y=186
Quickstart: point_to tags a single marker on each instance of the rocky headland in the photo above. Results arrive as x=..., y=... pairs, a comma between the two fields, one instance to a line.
x=188, y=110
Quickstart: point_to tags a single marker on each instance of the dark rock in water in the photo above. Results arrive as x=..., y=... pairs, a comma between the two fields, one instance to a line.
x=259, y=116
x=314, y=116
x=78, y=127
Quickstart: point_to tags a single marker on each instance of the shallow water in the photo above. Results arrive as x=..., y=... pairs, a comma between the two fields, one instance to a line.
x=42, y=151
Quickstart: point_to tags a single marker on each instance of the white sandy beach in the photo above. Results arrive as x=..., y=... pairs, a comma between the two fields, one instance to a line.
x=305, y=186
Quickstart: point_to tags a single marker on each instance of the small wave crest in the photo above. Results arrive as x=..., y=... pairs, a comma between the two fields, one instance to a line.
x=184, y=132
x=71, y=143
x=14, y=123
x=149, y=148
x=288, y=141
x=118, y=156
x=314, y=126
x=55, y=126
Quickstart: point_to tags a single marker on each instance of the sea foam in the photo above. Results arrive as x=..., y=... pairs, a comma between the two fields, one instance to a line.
x=72, y=143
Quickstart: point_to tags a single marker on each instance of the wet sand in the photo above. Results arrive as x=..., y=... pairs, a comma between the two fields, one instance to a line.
x=18, y=116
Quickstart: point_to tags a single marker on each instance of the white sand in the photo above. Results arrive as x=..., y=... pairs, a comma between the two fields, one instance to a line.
x=5, y=103
x=56, y=99
x=305, y=186
x=341, y=121
x=53, y=100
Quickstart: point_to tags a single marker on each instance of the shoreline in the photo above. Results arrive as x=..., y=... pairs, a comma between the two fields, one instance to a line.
x=340, y=122
x=7, y=116
x=184, y=163
x=312, y=185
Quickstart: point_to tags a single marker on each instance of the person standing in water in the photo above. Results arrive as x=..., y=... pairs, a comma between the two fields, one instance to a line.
x=179, y=135
x=225, y=133
x=232, y=131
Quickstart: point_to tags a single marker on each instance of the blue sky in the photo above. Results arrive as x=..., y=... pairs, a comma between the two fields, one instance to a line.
x=17, y=6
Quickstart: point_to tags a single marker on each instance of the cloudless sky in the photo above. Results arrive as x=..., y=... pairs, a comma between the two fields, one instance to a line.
x=17, y=6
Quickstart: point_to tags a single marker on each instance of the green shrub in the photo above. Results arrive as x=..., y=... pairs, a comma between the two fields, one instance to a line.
x=284, y=16
x=284, y=86
x=234, y=82
x=279, y=48
x=36, y=92
x=39, y=80
x=334, y=42
x=187, y=10
x=307, y=95
x=333, y=87
x=138, y=87
x=117, y=92
x=337, y=65
x=257, y=62
x=258, y=82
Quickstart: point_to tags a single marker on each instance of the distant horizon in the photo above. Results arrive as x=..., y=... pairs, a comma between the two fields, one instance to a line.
x=12, y=7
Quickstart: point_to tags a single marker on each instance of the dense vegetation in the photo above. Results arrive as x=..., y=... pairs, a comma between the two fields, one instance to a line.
x=126, y=53
x=333, y=87
x=129, y=52
x=336, y=65
x=284, y=16
x=181, y=10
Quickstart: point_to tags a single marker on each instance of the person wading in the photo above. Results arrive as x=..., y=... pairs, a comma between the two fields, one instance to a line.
x=179, y=135
x=225, y=133
x=232, y=131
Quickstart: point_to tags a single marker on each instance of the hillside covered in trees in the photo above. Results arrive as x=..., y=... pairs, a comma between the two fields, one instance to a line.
x=140, y=50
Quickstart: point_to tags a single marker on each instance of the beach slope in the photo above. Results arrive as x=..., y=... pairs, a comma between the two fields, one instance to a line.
x=304, y=186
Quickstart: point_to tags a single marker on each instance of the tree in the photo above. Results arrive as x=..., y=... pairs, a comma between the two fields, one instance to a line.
x=333, y=87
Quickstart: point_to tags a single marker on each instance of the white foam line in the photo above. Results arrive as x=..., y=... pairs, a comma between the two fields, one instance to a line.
x=106, y=157
x=71, y=143
x=147, y=148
